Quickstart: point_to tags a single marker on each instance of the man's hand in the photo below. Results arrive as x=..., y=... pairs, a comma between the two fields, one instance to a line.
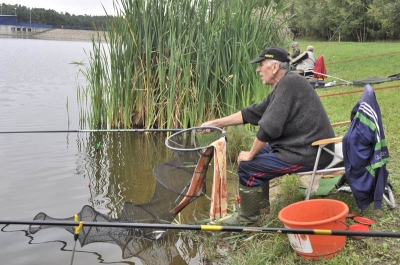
x=207, y=124
x=234, y=119
x=244, y=156
x=249, y=155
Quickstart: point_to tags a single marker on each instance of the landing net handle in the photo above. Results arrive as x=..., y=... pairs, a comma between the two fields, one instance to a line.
x=194, y=139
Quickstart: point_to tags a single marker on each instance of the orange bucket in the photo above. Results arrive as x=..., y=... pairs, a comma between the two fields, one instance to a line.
x=322, y=214
x=358, y=228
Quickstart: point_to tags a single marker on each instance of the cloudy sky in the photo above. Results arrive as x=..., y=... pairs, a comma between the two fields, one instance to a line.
x=74, y=7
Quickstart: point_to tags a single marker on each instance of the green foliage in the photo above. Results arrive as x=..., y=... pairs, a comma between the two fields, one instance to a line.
x=288, y=194
x=363, y=19
x=240, y=138
x=384, y=14
x=263, y=249
x=177, y=63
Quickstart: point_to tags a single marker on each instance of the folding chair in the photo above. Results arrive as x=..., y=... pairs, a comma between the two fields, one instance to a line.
x=365, y=167
x=317, y=75
x=337, y=157
x=297, y=60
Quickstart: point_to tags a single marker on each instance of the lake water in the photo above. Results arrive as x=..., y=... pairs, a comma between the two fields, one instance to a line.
x=51, y=172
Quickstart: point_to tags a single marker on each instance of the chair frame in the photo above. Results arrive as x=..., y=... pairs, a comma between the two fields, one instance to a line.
x=322, y=146
x=389, y=198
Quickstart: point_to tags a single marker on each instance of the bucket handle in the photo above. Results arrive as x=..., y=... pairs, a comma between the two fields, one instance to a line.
x=340, y=221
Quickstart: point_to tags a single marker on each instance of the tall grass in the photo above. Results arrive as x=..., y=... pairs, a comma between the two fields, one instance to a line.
x=170, y=63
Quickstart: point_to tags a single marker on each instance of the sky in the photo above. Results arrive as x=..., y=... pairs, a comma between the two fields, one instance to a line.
x=73, y=7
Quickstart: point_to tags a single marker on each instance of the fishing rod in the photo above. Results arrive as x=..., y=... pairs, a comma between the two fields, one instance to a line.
x=335, y=33
x=211, y=228
x=356, y=91
x=100, y=130
x=348, y=82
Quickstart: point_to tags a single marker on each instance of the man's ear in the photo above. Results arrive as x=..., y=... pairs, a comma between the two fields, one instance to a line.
x=273, y=70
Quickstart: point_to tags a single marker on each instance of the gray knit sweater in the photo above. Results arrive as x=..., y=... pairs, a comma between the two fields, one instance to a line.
x=291, y=117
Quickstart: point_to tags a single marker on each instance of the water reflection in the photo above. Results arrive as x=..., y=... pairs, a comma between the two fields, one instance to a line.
x=179, y=182
x=174, y=248
x=119, y=167
x=160, y=251
x=51, y=172
x=151, y=246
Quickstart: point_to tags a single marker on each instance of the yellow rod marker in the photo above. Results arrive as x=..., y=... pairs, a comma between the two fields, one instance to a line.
x=78, y=228
x=322, y=232
x=211, y=227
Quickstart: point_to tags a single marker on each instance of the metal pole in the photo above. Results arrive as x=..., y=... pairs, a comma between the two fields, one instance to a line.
x=212, y=228
x=85, y=131
x=30, y=15
x=313, y=173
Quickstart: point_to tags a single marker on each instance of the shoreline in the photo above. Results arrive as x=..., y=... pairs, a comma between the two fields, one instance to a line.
x=69, y=35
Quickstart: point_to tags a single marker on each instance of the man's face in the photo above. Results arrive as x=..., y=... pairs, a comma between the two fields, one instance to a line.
x=267, y=71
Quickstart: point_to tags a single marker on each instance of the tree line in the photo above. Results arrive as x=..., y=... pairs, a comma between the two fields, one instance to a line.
x=52, y=17
x=352, y=20
x=347, y=20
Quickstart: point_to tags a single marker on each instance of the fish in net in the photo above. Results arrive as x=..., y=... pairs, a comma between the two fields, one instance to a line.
x=179, y=182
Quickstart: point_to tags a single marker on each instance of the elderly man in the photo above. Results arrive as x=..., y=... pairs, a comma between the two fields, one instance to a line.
x=296, y=49
x=290, y=118
x=306, y=63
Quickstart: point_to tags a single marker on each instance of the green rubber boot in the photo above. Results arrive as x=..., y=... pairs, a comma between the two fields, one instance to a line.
x=255, y=201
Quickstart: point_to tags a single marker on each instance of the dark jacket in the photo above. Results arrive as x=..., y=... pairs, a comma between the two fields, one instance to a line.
x=365, y=152
x=291, y=117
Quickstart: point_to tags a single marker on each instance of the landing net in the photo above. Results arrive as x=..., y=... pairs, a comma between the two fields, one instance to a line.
x=179, y=181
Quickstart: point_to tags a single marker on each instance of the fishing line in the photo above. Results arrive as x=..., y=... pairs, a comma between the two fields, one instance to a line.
x=86, y=131
x=334, y=34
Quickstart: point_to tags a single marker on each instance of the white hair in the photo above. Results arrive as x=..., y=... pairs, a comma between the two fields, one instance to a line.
x=283, y=66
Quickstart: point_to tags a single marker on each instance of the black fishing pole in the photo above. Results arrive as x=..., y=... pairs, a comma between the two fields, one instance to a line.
x=100, y=130
x=334, y=33
x=211, y=228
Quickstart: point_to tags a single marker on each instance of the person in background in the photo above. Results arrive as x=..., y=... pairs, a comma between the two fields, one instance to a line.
x=295, y=32
x=290, y=118
x=307, y=64
x=296, y=50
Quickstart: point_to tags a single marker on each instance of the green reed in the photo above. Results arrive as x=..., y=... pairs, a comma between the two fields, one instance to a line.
x=170, y=63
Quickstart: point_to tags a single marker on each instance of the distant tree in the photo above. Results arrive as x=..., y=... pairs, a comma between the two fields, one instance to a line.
x=386, y=21
x=360, y=20
x=52, y=17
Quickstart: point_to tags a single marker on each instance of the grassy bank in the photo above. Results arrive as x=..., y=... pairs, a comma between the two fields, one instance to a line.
x=350, y=62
